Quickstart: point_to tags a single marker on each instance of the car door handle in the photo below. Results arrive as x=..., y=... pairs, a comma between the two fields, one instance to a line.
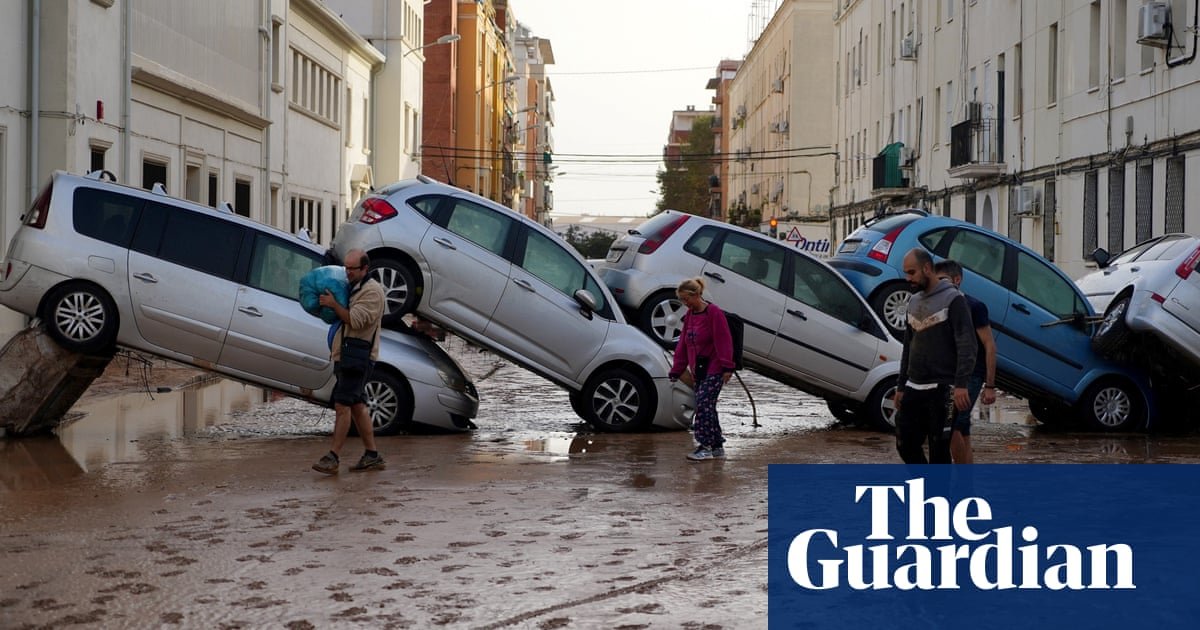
x=523, y=283
x=1021, y=307
x=444, y=242
x=797, y=313
x=146, y=277
x=714, y=275
x=250, y=310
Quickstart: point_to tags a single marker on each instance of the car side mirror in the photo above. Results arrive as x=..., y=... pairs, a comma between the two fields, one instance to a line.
x=1101, y=256
x=587, y=302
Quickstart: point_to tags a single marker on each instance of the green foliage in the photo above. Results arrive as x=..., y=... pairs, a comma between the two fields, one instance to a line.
x=685, y=186
x=592, y=244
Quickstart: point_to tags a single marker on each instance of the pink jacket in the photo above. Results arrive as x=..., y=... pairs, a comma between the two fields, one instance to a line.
x=705, y=334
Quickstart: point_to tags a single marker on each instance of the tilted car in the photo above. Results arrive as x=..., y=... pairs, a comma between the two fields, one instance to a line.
x=1151, y=289
x=510, y=284
x=804, y=324
x=104, y=264
x=1041, y=320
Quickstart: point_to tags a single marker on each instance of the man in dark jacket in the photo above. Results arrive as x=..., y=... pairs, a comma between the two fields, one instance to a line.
x=936, y=364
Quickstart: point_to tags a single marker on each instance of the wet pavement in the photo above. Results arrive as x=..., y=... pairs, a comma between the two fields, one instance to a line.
x=197, y=508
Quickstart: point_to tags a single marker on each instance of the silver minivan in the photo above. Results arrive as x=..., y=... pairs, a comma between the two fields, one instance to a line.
x=804, y=325
x=104, y=264
x=510, y=284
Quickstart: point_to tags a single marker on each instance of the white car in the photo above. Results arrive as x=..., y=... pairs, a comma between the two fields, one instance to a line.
x=1153, y=288
x=104, y=264
x=512, y=285
x=805, y=325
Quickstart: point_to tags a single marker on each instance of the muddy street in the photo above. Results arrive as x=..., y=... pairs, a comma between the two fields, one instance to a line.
x=197, y=508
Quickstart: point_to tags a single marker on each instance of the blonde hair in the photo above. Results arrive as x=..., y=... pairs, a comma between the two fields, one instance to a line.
x=691, y=285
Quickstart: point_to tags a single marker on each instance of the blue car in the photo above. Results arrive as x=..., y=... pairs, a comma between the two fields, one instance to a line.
x=1042, y=322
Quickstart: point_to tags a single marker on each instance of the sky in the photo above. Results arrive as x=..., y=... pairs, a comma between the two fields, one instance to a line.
x=621, y=67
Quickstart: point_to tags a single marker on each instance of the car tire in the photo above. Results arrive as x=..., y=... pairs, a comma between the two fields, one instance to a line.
x=890, y=302
x=1112, y=405
x=661, y=317
x=389, y=402
x=400, y=286
x=1113, y=333
x=81, y=317
x=617, y=401
x=844, y=411
x=879, y=410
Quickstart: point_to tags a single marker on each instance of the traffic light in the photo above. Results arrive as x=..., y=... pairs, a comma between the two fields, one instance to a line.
x=774, y=227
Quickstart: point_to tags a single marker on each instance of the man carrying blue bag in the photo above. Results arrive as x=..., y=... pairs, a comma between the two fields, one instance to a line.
x=354, y=350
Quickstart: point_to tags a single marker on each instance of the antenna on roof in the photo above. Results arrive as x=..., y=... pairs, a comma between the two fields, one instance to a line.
x=158, y=189
x=224, y=206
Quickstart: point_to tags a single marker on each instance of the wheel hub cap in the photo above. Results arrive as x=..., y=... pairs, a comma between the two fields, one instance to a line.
x=80, y=316
x=616, y=402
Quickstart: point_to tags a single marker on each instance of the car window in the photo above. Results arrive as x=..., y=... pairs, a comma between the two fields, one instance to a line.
x=1133, y=252
x=277, y=266
x=105, y=215
x=426, y=205
x=549, y=260
x=933, y=240
x=1037, y=282
x=982, y=254
x=204, y=243
x=702, y=240
x=753, y=259
x=819, y=288
x=1167, y=248
x=486, y=228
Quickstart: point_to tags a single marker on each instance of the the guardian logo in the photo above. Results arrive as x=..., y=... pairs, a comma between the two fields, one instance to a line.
x=949, y=546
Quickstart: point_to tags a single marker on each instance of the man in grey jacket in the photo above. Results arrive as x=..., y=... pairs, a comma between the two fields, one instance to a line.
x=936, y=364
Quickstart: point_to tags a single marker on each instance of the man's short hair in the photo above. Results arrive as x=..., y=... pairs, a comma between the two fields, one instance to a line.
x=950, y=267
x=922, y=257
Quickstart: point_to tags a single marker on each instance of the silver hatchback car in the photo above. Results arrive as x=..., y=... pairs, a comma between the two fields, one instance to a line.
x=511, y=285
x=804, y=324
x=104, y=264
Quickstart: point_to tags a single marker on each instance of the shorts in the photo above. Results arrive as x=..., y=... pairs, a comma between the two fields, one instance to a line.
x=962, y=420
x=350, y=388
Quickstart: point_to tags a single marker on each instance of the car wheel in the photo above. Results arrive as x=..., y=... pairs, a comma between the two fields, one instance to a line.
x=661, y=317
x=891, y=303
x=399, y=285
x=617, y=400
x=843, y=410
x=1112, y=405
x=389, y=402
x=1113, y=333
x=82, y=318
x=880, y=408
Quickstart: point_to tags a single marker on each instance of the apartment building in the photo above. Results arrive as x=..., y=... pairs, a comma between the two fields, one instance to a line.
x=532, y=125
x=1064, y=125
x=779, y=119
x=720, y=83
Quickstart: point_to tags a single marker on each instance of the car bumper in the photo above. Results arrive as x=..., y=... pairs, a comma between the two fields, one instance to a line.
x=441, y=408
x=355, y=235
x=24, y=286
x=676, y=404
x=625, y=285
x=1147, y=316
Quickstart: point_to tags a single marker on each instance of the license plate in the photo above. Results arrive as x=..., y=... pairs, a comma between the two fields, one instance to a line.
x=614, y=255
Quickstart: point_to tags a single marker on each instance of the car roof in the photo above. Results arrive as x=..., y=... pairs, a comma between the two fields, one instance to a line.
x=743, y=230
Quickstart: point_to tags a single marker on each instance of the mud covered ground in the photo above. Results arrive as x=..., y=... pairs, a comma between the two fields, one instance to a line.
x=212, y=519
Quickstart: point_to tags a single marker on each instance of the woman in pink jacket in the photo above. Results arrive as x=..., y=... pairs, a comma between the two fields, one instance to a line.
x=705, y=350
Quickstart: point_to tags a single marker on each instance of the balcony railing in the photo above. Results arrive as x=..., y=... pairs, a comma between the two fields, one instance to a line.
x=976, y=148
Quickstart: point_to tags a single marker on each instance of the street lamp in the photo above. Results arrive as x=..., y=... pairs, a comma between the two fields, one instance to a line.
x=444, y=39
x=508, y=79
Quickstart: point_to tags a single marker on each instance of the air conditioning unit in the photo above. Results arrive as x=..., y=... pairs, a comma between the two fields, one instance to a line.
x=906, y=156
x=783, y=126
x=1154, y=20
x=741, y=111
x=975, y=112
x=777, y=85
x=1029, y=202
x=774, y=127
x=908, y=47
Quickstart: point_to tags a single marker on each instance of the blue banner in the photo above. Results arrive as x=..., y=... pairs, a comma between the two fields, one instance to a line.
x=984, y=546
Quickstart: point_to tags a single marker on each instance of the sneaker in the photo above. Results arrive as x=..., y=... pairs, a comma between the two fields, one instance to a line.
x=700, y=454
x=367, y=462
x=719, y=452
x=327, y=464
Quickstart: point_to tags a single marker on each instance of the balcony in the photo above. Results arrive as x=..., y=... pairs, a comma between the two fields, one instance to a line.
x=976, y=149
x=889, y=171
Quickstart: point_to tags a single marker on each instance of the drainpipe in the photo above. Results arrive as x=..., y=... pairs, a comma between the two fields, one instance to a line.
x=35, y=98
x=126, y=91
x=1195, y=34
x=268, y=213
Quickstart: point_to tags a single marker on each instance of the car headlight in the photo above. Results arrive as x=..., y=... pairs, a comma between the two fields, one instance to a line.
x=453, y=379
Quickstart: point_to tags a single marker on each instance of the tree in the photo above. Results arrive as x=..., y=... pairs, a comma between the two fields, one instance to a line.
x=593, y=244
x=685, y=186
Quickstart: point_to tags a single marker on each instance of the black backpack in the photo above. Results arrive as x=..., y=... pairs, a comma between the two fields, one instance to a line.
x=736, y=328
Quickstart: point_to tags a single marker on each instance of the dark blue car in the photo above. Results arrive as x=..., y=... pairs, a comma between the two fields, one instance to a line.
x=1042, y=322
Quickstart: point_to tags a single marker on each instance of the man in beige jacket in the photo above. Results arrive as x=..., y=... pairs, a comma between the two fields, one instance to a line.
x=360, y=321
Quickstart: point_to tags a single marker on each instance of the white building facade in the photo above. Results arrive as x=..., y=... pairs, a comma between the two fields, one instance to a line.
x=1064, y=125
x=258, y=104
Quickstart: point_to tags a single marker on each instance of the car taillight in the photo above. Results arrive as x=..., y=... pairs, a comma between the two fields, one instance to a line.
x=376, y=209
x=1188, y=265
x=1161, y=299
x=654, y=242
x=36, y=217
x=883, y=247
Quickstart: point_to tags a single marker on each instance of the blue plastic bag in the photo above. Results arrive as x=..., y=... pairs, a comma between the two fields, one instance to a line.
x=316, y=282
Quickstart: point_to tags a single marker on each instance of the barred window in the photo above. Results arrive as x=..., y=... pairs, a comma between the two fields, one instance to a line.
x=1049, y=218
x=1116, y=209
x=1091, y=213
x=1144, y=210
x=970, y=208
x=1175, y=189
